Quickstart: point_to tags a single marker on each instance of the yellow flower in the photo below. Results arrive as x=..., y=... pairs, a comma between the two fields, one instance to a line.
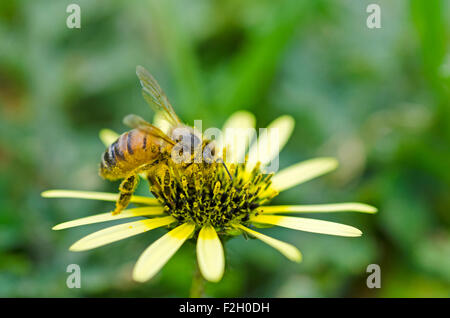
x=207, y=205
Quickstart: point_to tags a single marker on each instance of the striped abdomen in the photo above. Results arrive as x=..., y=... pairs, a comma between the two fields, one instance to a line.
x=130, y=151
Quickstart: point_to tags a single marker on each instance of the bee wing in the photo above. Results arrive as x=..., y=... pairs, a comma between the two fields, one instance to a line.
x=155, y=97
x=135, y=121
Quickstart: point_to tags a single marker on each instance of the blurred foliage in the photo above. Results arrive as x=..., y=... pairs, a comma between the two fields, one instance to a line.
x=377, y=99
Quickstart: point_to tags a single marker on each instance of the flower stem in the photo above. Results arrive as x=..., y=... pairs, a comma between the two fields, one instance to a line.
x=197, y=285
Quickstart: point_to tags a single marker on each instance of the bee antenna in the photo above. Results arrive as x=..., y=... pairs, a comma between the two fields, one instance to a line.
x=225, y=166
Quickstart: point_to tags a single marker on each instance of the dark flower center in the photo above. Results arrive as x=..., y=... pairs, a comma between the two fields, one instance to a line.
x=204, y=193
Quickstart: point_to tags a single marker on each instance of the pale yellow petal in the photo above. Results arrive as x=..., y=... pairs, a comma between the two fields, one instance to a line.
x=108, y=136
x=288, y=250
x=317, y=208
x=160, y=121
x=210, y=256
x=240, y=119
x=104, y=217
x=157, y=254
x=308, y=225
x=119, y=232
x=237, y=132
x=269, y=145
x=103, y=196
x=302, y=172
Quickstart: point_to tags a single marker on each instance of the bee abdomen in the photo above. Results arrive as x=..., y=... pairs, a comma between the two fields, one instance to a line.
x=129, y=142
x=144, y=142
x=108, y=159
x=128, y=152
x=113, y=154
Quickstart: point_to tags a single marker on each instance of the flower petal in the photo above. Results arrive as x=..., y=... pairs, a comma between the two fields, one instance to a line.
x=302, y=172
x=210, y=256
x=263, y=149
x=238, y=132
x=157, y=254
x=288, y=250
x=104, y=217
x=308, y=225
x=108, y=136
x=313, y=208
x=119, y=232
x=160, y=121
x=104, y=196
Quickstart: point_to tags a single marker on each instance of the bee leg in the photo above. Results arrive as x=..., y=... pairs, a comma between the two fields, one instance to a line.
x=126, y=189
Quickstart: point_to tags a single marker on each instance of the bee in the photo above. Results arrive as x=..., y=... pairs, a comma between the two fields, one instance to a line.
x=146, y=148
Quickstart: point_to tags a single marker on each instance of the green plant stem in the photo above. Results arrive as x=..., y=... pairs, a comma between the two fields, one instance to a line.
x=197, y=285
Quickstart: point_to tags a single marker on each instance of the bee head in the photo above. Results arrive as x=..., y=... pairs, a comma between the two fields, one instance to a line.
x=188, y=141
x=187, y=138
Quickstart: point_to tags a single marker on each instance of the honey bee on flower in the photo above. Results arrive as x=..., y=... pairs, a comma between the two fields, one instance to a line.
x=204, y=200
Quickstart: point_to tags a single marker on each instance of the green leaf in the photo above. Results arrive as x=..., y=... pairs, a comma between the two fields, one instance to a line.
x=249, y=73
x=179, y=49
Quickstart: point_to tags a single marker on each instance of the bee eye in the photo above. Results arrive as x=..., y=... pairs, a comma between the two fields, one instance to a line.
x=187, y=139
x=195, y=141
x=208, y=152
x=190, y=141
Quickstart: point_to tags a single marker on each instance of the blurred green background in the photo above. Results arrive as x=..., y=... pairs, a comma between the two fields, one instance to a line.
x=377, y=99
